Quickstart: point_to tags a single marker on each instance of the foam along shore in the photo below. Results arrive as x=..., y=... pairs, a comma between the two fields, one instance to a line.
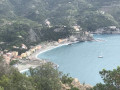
x=52, y=47
x=33, y=60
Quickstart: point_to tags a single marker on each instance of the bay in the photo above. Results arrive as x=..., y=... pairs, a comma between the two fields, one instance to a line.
x=81, y=60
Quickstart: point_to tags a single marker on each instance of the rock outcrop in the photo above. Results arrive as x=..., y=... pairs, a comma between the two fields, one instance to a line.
x=75, y=83
x=84, y=36
x=108, y=30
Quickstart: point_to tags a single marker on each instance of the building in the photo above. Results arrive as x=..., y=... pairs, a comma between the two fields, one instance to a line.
x=23, y=55
x=14, y=54
x=24, y=46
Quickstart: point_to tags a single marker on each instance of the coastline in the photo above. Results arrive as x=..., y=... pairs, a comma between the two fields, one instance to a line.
x=50, y=48
x=45, y=49
x=34, y=61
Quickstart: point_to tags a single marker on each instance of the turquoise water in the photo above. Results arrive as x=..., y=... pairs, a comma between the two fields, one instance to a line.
x=81, y=60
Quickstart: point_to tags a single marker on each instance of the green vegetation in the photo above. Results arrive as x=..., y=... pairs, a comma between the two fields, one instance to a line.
x=111, y=80
x=64, y=12
x=65, y=79
x=18, y=33
x=45, y=77
x=1, y=88
x=98, y=20
x=74, y=88
x=13, y=62
x=23, y=21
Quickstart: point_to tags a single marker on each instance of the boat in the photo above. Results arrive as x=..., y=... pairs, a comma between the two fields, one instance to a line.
x=100, y=56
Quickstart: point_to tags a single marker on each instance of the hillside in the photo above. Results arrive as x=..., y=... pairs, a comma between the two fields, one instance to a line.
x=34, y=21
x=108, y=6
x=64, y=12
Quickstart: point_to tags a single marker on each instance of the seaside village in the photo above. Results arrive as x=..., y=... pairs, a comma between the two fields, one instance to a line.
x=13, y=55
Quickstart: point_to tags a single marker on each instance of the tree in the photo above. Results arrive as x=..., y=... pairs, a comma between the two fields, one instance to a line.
x=111, y=80
x=46, y=77
x=20, y=82
x=1, y=88
x=74, y=88
x=66, y=79
x=12, y=79
x=4, y=68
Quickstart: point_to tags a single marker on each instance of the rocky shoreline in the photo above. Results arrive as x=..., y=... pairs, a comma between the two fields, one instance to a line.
x=107, y=30
x=77, y=84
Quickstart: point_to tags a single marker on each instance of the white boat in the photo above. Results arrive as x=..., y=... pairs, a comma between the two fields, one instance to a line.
x=100, y=56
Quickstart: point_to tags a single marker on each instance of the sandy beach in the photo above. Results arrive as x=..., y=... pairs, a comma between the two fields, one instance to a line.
x=47, y=49
x=34, y=61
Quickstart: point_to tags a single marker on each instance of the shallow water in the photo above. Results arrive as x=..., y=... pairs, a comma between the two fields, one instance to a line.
x=81, y=59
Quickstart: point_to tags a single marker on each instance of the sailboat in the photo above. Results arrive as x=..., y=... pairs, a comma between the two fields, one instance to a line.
x=100, y=56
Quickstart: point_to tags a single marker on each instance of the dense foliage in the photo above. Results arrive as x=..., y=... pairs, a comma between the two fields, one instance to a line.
x=45, y=77
x=20, y=32
x=23, y=21
x=111, y=80
x=63, y=12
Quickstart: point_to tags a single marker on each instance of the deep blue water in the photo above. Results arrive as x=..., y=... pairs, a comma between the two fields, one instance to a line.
x=81, y=60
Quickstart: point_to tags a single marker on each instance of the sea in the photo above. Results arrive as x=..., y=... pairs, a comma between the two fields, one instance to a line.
x=81, y=60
